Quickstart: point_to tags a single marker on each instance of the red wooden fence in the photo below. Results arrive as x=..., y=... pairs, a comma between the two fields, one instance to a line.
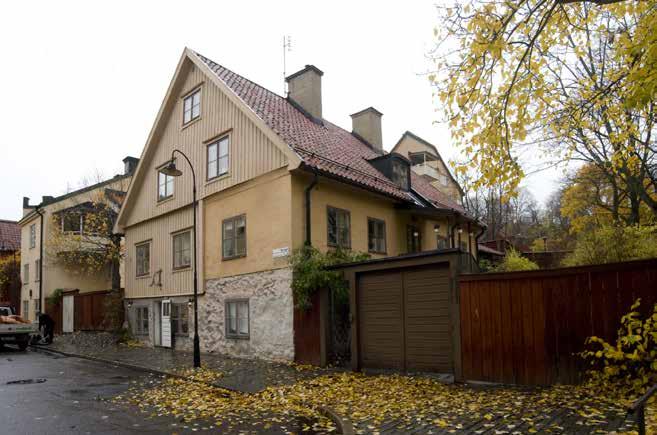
x=527, y=327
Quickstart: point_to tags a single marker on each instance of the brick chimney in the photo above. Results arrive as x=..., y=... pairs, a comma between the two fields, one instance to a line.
x=305, y=90
x=366, y=125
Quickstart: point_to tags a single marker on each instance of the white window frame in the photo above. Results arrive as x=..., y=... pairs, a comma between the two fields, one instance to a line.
x=234, y=238
x=26, y=273
x=178, y=236
x=148, y=270
x=230, y=320
x=32, y=236
x=191, y=106
x=37, y=270
x=169, y=186
x=215, y=167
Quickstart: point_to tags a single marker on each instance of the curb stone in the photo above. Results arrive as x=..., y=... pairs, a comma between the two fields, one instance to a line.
x=344, y=425
x=129, y=366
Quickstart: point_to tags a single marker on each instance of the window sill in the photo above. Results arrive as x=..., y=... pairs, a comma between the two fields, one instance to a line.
x=181, y=269
x=377, y=252
x=236, y=257
x=163, y=200
x=142, y=276
x=217, y=178
x=238, y=337
x=192, y=122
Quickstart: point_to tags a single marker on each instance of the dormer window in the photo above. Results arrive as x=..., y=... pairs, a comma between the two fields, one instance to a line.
x=400, y=174
x=192, y=106
x=395, y=167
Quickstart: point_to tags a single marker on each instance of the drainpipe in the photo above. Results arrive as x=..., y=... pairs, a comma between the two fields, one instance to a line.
x=308, y=190
x=40, y=213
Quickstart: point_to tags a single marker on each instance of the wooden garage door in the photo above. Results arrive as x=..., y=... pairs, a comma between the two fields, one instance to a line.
x=403, y=319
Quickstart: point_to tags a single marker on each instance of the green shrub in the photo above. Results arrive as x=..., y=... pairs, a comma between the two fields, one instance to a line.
x=514, y=262
x=310, y=273
x=629, y=364
x=611, y=244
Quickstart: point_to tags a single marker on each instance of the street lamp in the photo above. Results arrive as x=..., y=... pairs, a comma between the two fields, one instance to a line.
x=171, y=170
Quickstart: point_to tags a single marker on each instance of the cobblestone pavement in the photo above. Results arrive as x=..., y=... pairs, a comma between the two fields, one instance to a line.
x=245, y=375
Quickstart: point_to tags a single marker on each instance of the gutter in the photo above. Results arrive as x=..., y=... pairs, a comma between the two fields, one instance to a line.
x=307, y=192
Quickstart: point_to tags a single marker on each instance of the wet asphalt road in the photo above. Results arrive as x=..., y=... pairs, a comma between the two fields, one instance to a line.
x=68, y=401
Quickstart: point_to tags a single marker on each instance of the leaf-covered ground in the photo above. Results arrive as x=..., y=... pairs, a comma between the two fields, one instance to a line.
x=384, y=403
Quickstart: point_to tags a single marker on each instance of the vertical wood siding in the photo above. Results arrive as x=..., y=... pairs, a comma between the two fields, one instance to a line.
x=251, y=152
x=159, y=232
x=527, y=327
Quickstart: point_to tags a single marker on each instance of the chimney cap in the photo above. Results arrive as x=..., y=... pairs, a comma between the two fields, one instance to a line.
x=369, y=109
x=130, y=159
x=318, y=71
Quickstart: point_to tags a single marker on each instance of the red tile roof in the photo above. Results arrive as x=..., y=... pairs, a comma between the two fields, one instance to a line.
x=326, y=148
x=10, y=236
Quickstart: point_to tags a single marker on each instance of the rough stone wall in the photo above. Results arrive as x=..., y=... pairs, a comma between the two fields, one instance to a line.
x=271, y=330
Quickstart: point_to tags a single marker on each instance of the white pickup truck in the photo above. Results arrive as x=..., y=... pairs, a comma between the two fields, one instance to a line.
x=16, y=333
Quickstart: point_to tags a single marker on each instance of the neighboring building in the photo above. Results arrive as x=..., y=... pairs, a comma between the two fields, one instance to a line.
x=64, y=218
x=271, y=174
x=427, y=162
x=10, y=245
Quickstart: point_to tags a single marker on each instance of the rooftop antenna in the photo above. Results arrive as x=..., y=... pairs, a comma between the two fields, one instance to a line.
x=287, y=46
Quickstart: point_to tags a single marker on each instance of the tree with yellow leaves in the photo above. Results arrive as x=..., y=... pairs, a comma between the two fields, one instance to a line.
x=558, y=80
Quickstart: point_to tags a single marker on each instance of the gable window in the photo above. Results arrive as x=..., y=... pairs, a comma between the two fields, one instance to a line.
x=143, y=259
x=413, y=239
x=164, y=186
x=338, y=228
x=233, y=239
x=179, y=319
x=141, y=320
x=72, y=223
x=26, y=274
x=182, y=250
x=400, y=174
x=37, y=270
x=444, y=180
x=32, y=235
x=218, y=158
x=192, y=106
x=376, y=236
x=237, y=318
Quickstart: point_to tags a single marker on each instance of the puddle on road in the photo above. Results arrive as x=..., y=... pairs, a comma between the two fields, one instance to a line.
x=27, y=381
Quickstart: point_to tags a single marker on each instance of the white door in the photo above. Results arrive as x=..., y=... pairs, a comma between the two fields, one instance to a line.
x=67, y=313
x=165, y=326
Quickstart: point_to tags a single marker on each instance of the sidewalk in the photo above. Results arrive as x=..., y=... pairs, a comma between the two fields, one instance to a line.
x=238, y=374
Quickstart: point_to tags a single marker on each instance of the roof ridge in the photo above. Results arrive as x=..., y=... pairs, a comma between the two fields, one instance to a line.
x=205, y=58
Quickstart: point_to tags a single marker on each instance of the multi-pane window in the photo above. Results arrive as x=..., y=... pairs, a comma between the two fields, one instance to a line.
x=444, y=180
x=218, y=158
x=25, y=314
x=143, y=259
x=413, y=239
x=400, y=174
x=237, y=319
x=339, y=228
x=376, y=235
x=179, y=319
x=141, y=320
x=182, y=250
x=72, y=223
x=26, y=274
x=192, y=106
x=442, y=242
x=234, y=237
x=37, y=270
x=32, y=235
x=164, y=186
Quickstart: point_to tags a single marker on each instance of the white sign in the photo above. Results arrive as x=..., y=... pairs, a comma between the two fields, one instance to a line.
x=280, y=252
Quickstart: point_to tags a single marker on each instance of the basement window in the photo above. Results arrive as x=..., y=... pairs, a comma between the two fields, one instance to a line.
x=141, y=320
x=237, y=318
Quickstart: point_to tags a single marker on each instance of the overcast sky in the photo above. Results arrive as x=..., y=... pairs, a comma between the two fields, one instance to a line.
x=81, y=82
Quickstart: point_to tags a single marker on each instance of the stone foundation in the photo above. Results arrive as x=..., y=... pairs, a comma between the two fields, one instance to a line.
x=271, y=330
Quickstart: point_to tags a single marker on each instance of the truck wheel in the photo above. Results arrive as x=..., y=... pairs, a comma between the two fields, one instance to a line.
x=22, y=345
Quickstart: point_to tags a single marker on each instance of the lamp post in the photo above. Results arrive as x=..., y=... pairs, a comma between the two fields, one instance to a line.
x=171, y=170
